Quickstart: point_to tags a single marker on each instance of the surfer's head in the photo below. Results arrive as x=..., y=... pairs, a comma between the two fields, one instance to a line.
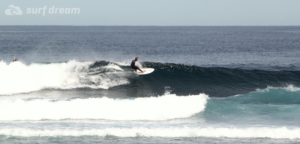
x=136, y=58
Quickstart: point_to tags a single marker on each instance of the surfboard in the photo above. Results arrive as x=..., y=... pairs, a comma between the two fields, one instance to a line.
x=147, y=71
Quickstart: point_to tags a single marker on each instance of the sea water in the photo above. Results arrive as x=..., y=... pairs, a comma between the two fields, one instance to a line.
x=74, y=84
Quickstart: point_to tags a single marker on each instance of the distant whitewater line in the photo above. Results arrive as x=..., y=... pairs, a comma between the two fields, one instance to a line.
x=251, y=132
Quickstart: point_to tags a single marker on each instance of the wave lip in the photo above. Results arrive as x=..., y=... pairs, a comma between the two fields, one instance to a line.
x=271, y=95
x=165, y=107
x=252, y=132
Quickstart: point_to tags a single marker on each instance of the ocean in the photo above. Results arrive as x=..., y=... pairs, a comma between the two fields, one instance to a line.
x=74, y=84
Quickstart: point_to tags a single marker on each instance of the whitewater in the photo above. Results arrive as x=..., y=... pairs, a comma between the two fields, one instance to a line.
x=160, y=108
x=17, y=77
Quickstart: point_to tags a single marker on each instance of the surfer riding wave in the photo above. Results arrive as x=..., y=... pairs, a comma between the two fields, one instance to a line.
x=134, y=66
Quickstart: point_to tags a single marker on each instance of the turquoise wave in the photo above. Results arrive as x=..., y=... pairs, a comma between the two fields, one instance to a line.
x=270, y=106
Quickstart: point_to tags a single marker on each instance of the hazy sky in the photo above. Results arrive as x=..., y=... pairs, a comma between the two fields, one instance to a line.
x=151, y=12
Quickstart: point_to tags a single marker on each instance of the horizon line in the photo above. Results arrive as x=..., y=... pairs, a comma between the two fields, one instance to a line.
x=167, y=25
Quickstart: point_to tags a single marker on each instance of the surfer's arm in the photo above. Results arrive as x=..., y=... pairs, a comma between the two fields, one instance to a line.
x=139, y=69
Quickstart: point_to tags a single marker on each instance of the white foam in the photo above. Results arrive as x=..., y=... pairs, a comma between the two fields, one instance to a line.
x=17, y=77
x=276, y=133
x=292, y=88
x=113, y=66
x=123, y=63
x=288, y=88
x=165, y=107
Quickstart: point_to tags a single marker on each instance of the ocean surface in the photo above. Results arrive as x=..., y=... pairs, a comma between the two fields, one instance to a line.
x=73, y=85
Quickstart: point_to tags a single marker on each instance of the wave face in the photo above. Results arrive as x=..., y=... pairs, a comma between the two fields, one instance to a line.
x=268, y=107
x=214, y=81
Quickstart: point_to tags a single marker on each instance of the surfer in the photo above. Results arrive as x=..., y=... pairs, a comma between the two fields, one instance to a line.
x=133, y=66
x=15, y=59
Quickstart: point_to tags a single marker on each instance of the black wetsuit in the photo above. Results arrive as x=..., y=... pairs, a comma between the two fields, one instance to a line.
x=133, y=65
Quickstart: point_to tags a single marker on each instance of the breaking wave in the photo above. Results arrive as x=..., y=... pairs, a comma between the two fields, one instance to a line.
x=17, y=77
x=168, y=106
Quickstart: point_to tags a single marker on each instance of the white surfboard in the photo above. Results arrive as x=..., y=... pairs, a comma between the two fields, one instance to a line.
x=146, y=71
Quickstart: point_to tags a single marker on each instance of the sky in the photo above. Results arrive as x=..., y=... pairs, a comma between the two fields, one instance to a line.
x=151, y=12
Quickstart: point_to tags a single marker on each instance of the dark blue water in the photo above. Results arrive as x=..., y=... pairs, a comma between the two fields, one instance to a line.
x=264, y=47
x=73, y=84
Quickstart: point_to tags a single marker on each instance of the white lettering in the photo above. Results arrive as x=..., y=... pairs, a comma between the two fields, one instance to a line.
x=51, y=10
x=34, y=10
x=44, y=10
x=40, y=9
x=28, y=11
x=61, y=10
x=67, y=11
x=75, y=11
